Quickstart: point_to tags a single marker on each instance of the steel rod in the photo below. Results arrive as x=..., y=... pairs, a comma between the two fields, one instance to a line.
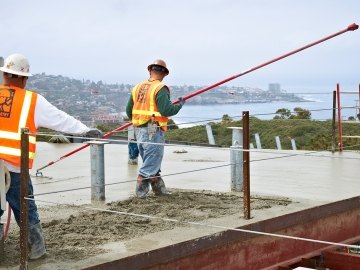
x=24, y=204
x=351, y=27
x=333, y=148
x=340, y=143
x=246, y=164
x=359, y=104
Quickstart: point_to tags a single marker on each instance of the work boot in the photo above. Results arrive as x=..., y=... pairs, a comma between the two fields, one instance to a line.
x=133, y=161
x=1, y=231
x=142, y=186
x=158, y=186
x=36, y=242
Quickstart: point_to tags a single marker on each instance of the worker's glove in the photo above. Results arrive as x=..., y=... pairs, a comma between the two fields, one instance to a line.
x=181, y=101
x=93, y=133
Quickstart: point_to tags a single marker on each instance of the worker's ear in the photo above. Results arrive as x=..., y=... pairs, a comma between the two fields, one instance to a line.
x=24, y=81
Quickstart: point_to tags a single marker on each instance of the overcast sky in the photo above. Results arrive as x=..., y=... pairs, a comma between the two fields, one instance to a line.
x=202, y=41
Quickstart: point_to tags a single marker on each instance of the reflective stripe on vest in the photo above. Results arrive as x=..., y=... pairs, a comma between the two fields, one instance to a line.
x=11, y=125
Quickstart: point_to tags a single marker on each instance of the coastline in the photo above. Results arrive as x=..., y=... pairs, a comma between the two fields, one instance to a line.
x=319, y=106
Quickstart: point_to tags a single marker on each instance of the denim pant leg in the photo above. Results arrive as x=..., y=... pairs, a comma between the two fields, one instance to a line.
x=13, y=198
x=133, y=150
x=151, y=154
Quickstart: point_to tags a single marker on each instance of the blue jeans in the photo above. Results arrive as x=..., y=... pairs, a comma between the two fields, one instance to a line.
x=13, y=198
x=133, y=150
x=151, y=154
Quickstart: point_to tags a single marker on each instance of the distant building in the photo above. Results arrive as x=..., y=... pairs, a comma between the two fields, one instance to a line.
x=274, y=87
x=108, y=119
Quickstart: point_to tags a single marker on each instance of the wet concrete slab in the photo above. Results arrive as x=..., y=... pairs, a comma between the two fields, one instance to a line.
x=307, y=178
x=316, y=176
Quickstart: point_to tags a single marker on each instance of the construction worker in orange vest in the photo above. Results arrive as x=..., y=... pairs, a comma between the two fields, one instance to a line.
x=149, y=107
x=28, y=109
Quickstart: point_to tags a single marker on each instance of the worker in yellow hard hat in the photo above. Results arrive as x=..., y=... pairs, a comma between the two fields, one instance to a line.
x=149, y=107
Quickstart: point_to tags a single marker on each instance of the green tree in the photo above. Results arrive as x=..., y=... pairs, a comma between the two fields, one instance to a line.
x=283, y=113
x=226, y=118
x=171, y=124
x=300, y=113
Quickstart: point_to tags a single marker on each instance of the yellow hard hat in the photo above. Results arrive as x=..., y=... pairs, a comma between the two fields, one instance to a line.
x=158, y=65
x=16, y=64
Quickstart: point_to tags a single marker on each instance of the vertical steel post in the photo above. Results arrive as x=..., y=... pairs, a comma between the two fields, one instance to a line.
x=340, y=144
x=2, y=187
x=278, y=143
x=236, y=159
x=97, y=170
x=258, y=141
x=293, y=144
x=237, y=135
x=210, y=135
x=333, y=147
x=2, y=252
x=246, y=158
x=359, y=104
x=24, y=204
x=2, y=206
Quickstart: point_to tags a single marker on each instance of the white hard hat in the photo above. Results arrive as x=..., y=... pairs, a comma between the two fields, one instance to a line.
x=16, y=64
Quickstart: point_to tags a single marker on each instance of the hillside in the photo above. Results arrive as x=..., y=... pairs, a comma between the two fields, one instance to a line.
x=100, y=103
x=308, y=134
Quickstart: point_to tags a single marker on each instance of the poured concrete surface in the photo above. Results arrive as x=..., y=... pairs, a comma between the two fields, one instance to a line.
x=315, y=176
x=307, y=180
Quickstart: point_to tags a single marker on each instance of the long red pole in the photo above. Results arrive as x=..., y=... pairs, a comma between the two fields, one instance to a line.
x=351, y=27
x=82, y=147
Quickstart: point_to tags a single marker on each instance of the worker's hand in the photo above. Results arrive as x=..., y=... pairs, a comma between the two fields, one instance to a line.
x=93, y=133
x=181, y=101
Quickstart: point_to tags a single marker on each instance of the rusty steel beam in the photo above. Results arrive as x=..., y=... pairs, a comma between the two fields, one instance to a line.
x=24, y=205
x=340, y=127
x=333, y=148
x=335, y=222
x=341, y=261
x=246, y=164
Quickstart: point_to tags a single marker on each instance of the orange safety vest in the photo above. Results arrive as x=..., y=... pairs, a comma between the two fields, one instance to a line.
x=144, y=98
x=17, y=110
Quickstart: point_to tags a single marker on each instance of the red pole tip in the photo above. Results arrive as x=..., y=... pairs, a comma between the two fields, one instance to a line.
x=352, y=27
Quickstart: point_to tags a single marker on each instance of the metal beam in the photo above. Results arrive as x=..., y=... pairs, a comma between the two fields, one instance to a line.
x=24, y=204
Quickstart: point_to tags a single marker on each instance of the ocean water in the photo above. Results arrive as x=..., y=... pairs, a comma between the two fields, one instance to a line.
x=320, y=106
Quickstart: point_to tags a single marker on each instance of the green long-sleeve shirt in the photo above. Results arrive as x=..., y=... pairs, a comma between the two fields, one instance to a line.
x=163, y=102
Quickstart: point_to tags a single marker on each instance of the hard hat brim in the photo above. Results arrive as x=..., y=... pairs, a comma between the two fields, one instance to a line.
x=151, y=65
x=6, y=70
